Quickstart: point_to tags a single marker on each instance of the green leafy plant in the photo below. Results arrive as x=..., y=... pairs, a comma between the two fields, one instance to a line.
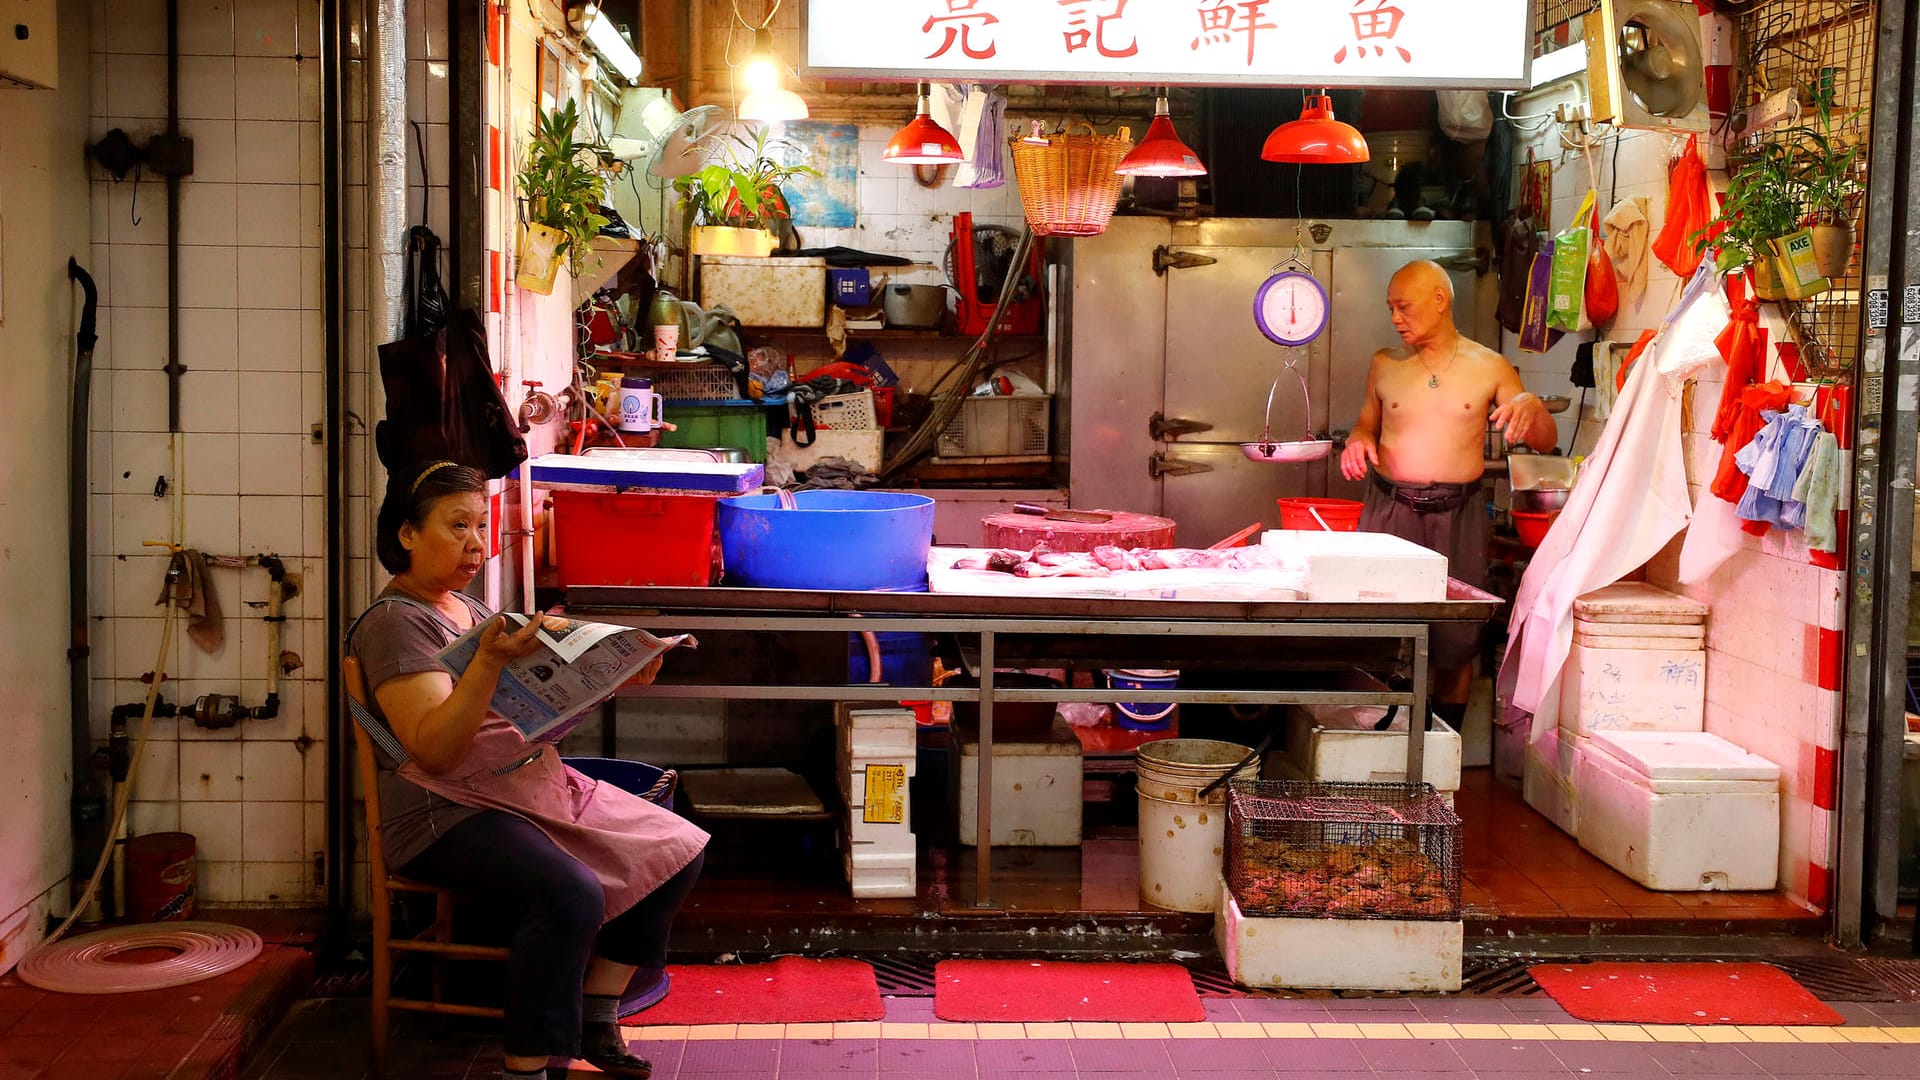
x=747, y=190
x=1827, y=170
x=562, y=183
x=1763, y=202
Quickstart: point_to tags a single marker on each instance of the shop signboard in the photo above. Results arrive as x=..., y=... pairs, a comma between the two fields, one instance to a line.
x=1309, y=43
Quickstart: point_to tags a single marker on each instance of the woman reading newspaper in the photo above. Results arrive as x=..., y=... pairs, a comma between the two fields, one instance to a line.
x=591, y=874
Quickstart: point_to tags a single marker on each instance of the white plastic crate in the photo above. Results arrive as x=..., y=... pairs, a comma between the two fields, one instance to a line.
x=998, y=427
x=847, y=412
x=695, y=382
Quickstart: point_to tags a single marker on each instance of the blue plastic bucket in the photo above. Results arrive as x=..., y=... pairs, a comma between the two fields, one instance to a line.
x=852, y=541
x=906, y=659
x=1142, y=717
x=634, y=777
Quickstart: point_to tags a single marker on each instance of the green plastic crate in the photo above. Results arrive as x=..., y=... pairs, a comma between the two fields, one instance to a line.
x=739, y=424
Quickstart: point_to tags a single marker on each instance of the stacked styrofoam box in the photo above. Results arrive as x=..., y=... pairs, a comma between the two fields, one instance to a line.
x=1681, y=810
x=1338, y=954
x=1638, y=663
x=1037, y=796
x=1349, y=566
x=1339, y=743
x=880, y=848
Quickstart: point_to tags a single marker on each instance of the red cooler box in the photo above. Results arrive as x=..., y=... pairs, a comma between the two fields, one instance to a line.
x=631, y=539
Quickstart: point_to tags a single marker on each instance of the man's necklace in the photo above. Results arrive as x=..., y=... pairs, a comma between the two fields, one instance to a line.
x=1433, y=377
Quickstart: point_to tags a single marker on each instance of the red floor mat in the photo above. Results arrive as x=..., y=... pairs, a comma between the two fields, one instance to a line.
x=791, y=990
x=1682, y=994
x=1041, y=991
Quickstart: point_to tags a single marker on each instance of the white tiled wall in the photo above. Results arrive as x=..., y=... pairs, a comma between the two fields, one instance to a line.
x=245, y=474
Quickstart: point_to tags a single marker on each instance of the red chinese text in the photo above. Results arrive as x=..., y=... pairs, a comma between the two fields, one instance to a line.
x=1222, y=21
x=1079, y=36
x=961, y=20
x=1373, y=21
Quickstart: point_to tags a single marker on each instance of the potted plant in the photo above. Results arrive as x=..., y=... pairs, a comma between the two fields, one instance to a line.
x=736, y=207
x=1827, y=171
x=1761, y=207
x=561, y=187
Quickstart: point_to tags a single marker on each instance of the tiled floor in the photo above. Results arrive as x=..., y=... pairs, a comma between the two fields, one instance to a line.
x=1403, y=1038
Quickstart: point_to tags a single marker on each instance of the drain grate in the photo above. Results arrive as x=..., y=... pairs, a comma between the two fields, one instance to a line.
x=1834, y=978
x=1497, y=976
x=1213, y=981
x=902, y=976
x=1901, y=977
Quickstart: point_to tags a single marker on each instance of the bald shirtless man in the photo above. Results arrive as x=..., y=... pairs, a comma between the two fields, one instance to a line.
x=1421, y=435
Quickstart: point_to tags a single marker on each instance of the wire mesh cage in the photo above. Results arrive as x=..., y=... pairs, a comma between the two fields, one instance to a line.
x=1349, y=851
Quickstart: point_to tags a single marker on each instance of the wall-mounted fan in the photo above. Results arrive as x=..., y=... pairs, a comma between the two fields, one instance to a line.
x=674, y=148
x=1645, y=65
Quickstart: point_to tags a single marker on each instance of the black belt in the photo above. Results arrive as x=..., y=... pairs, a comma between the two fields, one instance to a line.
x=1432, y=498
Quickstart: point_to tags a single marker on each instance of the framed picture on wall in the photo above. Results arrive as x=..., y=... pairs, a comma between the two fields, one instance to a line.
x=549, y=75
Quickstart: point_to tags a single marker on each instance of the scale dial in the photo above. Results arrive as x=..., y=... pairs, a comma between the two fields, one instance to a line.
x=1291, y=308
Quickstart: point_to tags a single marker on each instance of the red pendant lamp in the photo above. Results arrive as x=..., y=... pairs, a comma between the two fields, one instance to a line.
x=1160, y=152
x=923, y=142
x=1316, y=138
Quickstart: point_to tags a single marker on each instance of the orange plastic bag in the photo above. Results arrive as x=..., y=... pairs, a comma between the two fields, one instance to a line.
x=1603, y=289
x=1688, y=211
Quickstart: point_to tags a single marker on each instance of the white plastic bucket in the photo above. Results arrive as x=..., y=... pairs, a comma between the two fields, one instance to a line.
x=1182, y=835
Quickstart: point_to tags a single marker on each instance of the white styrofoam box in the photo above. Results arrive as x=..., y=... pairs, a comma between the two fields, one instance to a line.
x=1633, y=690
x=877, y=874
x=1338, y=743
x=1637, y=601
x=1338, y=954
x=1036, y=789
x=883, y=740
x=1684, y=631
x=863, y=448
x=1362, y=566
x=1642, y=642
x=1680, y=811
x=877, y=733
x=1510, y=748
x=1548, y=785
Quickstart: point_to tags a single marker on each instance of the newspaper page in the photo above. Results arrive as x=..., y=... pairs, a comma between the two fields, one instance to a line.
x=579, y=665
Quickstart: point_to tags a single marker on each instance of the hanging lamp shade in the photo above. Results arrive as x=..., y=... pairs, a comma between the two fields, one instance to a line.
x=1316, y=138
x=776, y=105
x=923, y=142
x=1160, y=152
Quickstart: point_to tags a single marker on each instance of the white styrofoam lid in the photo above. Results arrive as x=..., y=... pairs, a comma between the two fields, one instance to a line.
x=1318, y=542
x=1636, y=596
x=1684, y=755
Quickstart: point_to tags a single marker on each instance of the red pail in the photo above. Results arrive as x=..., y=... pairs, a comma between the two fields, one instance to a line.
x=160, y=877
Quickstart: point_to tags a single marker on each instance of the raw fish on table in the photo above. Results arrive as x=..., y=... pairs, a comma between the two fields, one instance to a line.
x=1106, y=559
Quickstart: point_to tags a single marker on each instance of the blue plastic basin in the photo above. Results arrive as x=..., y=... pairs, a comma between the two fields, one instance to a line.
x=842, y=540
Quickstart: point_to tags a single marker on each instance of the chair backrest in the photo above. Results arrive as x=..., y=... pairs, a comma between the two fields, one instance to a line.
x=356, y=686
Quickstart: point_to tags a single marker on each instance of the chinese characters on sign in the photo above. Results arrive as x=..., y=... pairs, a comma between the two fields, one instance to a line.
x=1221, y=21
x=958, y=24
x=1426, y=44
x=1377, y=23
x=1079, y=37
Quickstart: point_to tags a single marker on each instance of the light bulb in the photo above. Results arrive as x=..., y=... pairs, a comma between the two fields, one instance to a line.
x=762, y=70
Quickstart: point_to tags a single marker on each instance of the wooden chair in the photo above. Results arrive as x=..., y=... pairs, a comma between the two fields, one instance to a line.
x=436, y=941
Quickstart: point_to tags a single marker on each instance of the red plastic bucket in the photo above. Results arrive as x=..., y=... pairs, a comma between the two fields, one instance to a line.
x=1340, y=515
x=633, y=539
x=160, y=877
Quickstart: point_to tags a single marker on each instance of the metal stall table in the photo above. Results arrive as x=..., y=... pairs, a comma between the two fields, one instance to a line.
x=989, y=619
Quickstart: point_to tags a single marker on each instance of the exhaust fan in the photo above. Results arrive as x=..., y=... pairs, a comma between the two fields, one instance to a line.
x=1646, y=68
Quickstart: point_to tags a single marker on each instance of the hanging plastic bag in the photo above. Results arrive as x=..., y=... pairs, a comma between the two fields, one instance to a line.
x=1519, y=243
x=1566, y=306
x=1535, y=335
x=1465, y=115
x=1688, y=212
x=1603, y=289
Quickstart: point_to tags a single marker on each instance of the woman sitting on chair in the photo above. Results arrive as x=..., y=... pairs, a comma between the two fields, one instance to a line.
x=592, y=875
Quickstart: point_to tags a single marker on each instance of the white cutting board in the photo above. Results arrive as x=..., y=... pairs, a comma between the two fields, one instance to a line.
x=1253, y=586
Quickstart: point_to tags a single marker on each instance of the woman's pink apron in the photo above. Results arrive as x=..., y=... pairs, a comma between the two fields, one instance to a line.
x=630, y=844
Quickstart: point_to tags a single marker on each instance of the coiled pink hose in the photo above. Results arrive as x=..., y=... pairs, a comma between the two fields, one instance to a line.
x=86, y=964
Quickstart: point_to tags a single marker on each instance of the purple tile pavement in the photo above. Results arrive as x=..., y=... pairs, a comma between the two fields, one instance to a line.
x=995, y=1056
x=1220, y=1009
x=1313, y=1056
x=925, y=1057
x=1795, y=1059
x=1410, y=1055
x=1717, y=1059
x=1504, y=1056
x=1897, y=1014
x=748, y=1057
x=1607, y=1058
x=1281, y=1011
x=910, y=1010
x=1877, y=1058
x=1465, y=1011
x=1194, y=1056
x=830, y=1055
x=1379, y=1010
x=1122, y=1055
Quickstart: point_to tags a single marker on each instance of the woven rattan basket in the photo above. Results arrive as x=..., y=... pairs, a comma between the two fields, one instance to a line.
x=1067, y=182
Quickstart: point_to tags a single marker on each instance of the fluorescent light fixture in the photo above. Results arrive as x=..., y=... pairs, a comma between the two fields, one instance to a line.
x=606, y=40
x=1558, y=64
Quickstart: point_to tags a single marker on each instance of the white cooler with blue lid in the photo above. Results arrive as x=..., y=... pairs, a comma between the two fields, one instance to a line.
x=1680, y=810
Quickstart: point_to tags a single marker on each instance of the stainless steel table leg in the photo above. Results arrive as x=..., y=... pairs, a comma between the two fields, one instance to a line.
x=983, y=782
x=1417, y=723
